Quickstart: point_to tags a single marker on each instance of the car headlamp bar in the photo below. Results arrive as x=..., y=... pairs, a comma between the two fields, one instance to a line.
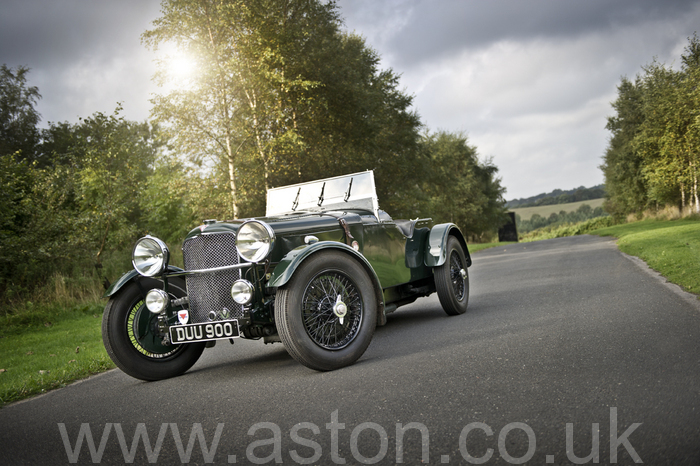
x=183, y=273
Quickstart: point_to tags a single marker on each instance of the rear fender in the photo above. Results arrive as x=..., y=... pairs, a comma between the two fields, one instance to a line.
x=290, y=263
x=436, y=249
x=129, y=276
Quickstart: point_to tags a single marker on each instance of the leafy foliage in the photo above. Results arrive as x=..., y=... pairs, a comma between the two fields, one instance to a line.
x=18, y=117
x=461, y=189
x=654, y=153
x=568, y=229
x=83, y=202
x=273, y=103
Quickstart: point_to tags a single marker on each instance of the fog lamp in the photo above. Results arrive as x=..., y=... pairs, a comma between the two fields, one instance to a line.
x=157, y=301
x=242, y=292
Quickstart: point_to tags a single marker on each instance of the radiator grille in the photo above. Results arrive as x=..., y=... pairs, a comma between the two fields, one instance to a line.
x=210, y=293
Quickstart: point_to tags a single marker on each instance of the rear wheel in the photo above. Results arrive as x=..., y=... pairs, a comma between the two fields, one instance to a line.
x=132, y=339
x=452, y=279
x=326, y=314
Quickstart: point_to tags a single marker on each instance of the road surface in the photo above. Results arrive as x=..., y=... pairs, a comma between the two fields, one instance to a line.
x=569, y=352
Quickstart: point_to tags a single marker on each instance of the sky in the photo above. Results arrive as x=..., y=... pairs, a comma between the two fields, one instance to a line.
x=529, y=82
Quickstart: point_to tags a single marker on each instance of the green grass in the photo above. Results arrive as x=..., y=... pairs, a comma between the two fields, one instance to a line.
x=49, y=347
x=559, y=231
x=671, y=247
x=546, y=210
x=480, y=246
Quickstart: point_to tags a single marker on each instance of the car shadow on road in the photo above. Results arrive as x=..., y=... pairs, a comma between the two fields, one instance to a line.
x=412, y=329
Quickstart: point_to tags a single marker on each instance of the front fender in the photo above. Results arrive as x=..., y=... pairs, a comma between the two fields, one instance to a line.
x=290, y=263
x=436, y=249
x=127, y=277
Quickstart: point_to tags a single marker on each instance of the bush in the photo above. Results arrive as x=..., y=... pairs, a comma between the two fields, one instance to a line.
x=574, y=229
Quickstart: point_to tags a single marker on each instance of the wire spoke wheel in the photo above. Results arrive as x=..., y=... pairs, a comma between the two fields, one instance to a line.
x=456, y=278
x=327, y=312
x=452, y=279
x=325, y=328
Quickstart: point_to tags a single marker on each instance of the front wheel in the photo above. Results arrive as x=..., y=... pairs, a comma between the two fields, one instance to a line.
x=326, y=314
x=452, y=279
x=131, y=337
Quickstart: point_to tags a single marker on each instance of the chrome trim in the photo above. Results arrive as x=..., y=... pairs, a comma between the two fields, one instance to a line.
x=214, y=270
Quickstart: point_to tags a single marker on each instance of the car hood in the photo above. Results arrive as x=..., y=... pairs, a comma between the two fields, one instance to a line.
x=290, y=230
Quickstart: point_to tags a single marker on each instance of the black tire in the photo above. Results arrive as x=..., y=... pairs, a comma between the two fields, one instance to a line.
x=452, y=287
x=130, y=335
x=307, y=324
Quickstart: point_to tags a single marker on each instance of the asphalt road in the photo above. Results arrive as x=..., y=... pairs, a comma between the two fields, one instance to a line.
x=561, y=335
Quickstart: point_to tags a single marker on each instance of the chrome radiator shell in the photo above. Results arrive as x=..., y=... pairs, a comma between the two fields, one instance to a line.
x=210, y=293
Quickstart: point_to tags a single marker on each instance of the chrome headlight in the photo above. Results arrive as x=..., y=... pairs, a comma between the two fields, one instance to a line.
x=255, y=241
x=150, y=256
x=157, y=300
x=242, y=292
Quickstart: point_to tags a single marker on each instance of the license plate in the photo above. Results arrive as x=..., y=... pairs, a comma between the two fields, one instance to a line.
x=204, y=332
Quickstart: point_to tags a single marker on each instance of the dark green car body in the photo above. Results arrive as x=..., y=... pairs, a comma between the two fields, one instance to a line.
x=399, y=258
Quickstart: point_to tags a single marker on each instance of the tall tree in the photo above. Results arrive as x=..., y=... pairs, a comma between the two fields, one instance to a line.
x=461, y=188
x=242, y=99
x=654, y=155
x=660, y=138
x=283, y=96
x=18, y=115
x=691, y=106
x=622, y=165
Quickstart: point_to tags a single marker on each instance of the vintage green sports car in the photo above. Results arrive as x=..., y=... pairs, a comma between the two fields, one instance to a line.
x=318, y=273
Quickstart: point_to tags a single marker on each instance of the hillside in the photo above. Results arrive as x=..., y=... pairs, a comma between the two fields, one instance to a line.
x=546, y=210
x=559, y=196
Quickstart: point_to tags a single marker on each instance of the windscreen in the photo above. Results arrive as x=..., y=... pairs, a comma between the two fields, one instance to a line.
x=354, y=191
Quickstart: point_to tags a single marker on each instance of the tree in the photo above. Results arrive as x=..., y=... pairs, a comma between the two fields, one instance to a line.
x=691, y=103
x=626, y=189
x=18, y=117
x=654, y=154
x=114, y=158
x=661, y=135
x=242, y=100
x=283, y=96
x=363, y=121
x=462, y=189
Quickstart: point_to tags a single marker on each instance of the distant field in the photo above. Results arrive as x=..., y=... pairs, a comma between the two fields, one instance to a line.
x=545, y=210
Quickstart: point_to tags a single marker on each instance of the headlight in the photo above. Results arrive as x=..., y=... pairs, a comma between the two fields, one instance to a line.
x=157, y=301
x=255, y=241
x=150, y=256
x=242, y=292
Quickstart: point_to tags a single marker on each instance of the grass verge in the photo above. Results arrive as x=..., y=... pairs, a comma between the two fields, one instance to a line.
x=671, y=247
x=479, y=246
x=560, y=231
x=49, y=347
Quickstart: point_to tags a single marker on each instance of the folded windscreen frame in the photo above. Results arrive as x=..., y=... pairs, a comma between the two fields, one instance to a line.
x=356, y=191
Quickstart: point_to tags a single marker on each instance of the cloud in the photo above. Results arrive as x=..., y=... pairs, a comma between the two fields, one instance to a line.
x=85, y=56
x=412, y=31
x=531, y=81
